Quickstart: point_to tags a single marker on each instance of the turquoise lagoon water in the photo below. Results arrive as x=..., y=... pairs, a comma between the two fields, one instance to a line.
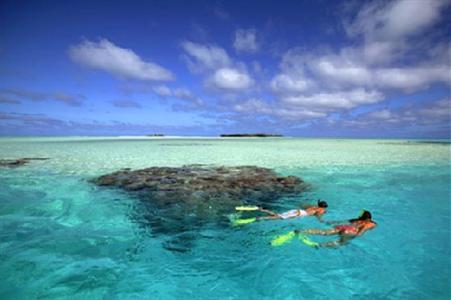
x=61, y=237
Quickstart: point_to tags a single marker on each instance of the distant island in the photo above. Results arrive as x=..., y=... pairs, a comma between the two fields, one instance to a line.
x=155, y=134
x=251, y=135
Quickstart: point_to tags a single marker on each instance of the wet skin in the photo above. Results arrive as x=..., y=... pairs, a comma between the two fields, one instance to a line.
x=346, y=232
x=311, y=211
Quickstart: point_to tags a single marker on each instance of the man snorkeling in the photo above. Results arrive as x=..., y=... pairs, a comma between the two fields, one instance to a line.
x=311, y=210
x=346, y=232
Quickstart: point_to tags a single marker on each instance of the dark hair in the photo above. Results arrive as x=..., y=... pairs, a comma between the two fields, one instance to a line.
x=365, y=215
x=322, y=203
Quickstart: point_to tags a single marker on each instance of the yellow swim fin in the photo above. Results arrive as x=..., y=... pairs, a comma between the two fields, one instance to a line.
x=243, y=221
x=308, y=241
x=249, y=208
x=283, y=238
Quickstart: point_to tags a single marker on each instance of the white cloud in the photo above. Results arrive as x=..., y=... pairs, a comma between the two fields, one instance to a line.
x=285, y=83
x=246, y=40
x=396, y=19
x=380, y=114
x=163, y=91
x=231, y=79
x=306, y=98
x=218, y=68
x=121, y=62
x=334, y=101
x=292, y=78
x=340, y=70
x=206, y=57
x=320, y=82
x=387, y=26
x=182, y=93
x=432, y=113
x=23, y=94
x=405, y=78
x=346, y=70
x=296, y=114
x=438, y=110
x=411, y=78
x=255, y=106
x=374, y=52
x=178, y=93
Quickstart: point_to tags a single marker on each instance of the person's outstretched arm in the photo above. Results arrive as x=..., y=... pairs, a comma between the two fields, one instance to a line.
x=319, y=217
x=331, y=244
x=317, y=231
x=333, y=222
x=334, y=244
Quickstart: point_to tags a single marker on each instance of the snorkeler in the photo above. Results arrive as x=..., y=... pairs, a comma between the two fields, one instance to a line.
x=311, y=210
x=346, y=232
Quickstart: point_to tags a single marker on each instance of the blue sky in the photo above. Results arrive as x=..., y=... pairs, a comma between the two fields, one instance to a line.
x=299, y=68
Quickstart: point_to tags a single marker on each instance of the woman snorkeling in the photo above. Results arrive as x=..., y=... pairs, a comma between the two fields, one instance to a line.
x=346, y=232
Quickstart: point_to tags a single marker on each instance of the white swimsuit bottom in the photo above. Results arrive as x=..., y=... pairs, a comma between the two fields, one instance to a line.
x=293, y=214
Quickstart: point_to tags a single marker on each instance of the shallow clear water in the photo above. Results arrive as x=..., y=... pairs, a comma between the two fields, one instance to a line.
x=63, y=237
